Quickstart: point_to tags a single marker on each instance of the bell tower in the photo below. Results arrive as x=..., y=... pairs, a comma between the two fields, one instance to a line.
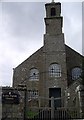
x=54, y=47
x=53, y=20
x=53, y=37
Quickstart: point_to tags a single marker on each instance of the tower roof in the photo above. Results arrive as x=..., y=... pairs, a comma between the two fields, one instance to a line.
x=53, y=3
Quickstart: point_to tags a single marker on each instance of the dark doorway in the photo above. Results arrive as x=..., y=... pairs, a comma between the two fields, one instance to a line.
x=56, y=93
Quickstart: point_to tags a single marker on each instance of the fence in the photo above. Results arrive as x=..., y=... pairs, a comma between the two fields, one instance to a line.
x=45, y=112
x=61, y=113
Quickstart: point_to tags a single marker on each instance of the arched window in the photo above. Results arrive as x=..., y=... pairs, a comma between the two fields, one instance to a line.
x=76, y=73
x=55, y=70
x=34, y=74
x=53, y=12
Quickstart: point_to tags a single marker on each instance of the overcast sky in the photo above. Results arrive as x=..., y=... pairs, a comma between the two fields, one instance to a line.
x=22, y=28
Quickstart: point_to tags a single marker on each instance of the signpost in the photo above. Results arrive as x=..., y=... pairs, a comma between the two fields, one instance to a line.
x=10, y=97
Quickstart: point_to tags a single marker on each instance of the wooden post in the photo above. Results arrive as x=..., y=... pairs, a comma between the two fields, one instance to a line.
x=39, y=102
x=52, y=108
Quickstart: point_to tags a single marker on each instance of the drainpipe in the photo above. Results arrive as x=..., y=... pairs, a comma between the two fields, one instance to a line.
x=52, y=108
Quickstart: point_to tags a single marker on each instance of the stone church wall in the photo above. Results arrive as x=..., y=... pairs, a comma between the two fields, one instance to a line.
x=21, y=72
x=73, y=59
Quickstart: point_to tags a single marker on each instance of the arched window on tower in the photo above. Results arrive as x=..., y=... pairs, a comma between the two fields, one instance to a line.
x=53, y=12
x=55, y=70
x=76, y=73
x=34, y=74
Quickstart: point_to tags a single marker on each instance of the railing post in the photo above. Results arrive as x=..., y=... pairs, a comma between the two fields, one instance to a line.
x=52, y=108
x=39, y=102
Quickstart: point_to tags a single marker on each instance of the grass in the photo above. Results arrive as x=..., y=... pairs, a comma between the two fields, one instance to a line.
x=31, y=114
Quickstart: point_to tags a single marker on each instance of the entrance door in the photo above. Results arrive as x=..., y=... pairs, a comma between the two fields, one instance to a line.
x=56, y=93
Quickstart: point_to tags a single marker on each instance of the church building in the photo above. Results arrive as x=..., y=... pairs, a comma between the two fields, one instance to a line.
x=54, y=69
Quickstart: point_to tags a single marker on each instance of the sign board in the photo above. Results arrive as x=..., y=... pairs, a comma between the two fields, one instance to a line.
x=10, y=97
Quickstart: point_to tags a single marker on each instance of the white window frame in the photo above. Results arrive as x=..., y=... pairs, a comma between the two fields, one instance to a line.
x=55, y=70
x=33, y=94
x=34, y=74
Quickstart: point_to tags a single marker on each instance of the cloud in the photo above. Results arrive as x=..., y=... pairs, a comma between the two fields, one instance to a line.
x=41, y=1
x=21, y=30
x=83, y=28
x=73, y=25
x=22, y=18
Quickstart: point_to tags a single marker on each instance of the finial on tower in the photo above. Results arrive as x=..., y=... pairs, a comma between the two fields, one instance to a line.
x=52, y=0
